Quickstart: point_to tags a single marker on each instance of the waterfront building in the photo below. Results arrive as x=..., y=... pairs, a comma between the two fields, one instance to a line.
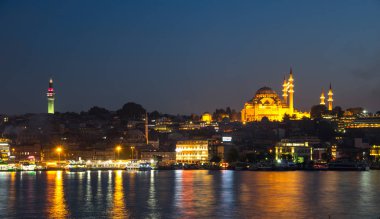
x=298, y=150
x=4, y=149
x=166, y=157
x=222, y=149
x=50, y=97
x=375, y=152
x=27, y=152
x=266, y=103
x=192, y=151
x=107, y=154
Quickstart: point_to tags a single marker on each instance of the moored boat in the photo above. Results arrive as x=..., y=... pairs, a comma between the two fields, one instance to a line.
x=76, y=166
x=347, y=165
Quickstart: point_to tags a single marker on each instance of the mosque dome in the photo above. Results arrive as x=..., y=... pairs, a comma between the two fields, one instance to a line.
x=267, y=96
x=266, y=90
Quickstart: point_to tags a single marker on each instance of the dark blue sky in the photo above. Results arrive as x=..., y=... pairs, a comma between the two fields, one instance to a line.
x=186, y=56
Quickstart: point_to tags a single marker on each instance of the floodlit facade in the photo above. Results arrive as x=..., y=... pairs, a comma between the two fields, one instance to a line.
x=192, y=151
x=365, y=123
x=4, y=149
x=267, y=103
x=207, y=118
x=375, y=151
x=300, y=151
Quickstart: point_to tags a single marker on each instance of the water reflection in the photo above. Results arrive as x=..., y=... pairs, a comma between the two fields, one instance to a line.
x=190, y=194
x=119, y=210
x=227, y=194
x=56, y=206
x=282, y=198
x=152, y=200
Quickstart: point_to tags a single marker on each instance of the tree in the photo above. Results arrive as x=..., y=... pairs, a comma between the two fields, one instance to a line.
x=251, y=157
x=215, y=159
x=286, y=118
x=131, y=111
x=228, y=111
x=218, y=114
x=154, y=115
x=98, y=112
x=317, y=111
x=325, y=130
x=232, y=155
x=338, y=111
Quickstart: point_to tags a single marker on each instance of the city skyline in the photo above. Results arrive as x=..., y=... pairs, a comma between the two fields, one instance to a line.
x=190, y=109
x=185, y=58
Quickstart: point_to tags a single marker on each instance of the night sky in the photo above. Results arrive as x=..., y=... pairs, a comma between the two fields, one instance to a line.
x=186, y=56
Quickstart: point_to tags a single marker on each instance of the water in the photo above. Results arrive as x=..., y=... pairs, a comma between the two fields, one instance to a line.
x=190, y=194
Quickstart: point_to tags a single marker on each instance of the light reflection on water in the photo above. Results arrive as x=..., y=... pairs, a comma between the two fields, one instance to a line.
x=190, y=194
x=55, y=197
x=118, y=209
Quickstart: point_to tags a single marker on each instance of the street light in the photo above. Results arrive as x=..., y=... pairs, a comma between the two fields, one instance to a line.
x=132, y=148
x=59, y=150
x=118, y=148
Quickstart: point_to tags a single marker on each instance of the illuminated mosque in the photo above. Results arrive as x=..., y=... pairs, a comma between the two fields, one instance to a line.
x=267, y=103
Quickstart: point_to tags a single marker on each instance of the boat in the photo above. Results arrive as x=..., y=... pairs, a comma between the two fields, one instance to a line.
x=241, y=166
x=264, y=167
x=7, y=167
x=190, y=167
x=320, y=165
x=27, y=166
x=79, y=166
x=347, y=165
x=144, y=166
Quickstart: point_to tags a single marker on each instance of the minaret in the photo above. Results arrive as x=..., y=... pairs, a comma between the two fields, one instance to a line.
x=322, y=98
x=330, y=100
x=51, y=97
x=146, y=128
x=291, y=91
x=285, y=91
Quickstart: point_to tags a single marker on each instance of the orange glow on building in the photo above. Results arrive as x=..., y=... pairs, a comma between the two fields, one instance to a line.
x=207, y=118
x=266, y=103
x=192, y=151
x=375, y=151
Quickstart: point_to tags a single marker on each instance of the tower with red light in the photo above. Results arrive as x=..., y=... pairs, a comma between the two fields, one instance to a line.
x=50, y=97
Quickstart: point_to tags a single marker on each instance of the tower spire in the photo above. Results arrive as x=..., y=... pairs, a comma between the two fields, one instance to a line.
x=291, y=91
x=322, y=98
x=285, y=90
x=330, y=98
x=146, y=128
x=50, y=97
